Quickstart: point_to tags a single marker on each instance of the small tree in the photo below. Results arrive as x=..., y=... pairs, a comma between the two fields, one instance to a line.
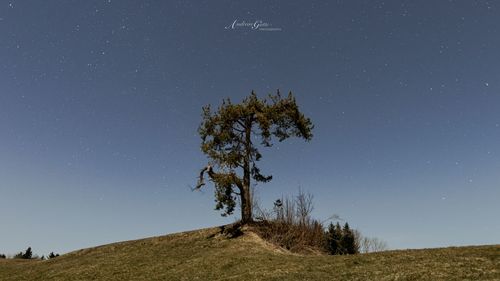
x=228, y=137
x=348, y=241
x=304, y=202
x=52, y=255
x=369, y=245
x=26, y=255
x=341, y=241
x=333, y=239
x=2, y=256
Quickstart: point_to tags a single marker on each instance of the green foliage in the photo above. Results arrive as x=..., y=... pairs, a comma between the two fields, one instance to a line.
x=228, y=136
x=2, y=256
x=341, y=241
x=333, y=238
x=52, y=255
x=348, y=241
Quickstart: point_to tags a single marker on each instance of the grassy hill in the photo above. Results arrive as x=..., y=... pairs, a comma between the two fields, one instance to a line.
x=205, y=255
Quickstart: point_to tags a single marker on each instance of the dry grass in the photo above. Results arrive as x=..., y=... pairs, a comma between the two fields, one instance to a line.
x=297, y=238
x=205, y=255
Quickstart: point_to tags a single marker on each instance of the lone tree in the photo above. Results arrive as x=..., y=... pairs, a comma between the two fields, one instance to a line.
x=228, y=136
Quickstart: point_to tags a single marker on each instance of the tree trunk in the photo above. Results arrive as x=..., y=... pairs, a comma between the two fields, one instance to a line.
x=246, y=205
x=246, y=200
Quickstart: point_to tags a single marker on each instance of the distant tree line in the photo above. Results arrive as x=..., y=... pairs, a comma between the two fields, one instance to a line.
x=28, y=255
x=290, y=225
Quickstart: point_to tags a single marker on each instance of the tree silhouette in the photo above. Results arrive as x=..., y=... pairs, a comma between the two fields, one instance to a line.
x=26, y=255
x=333, y=238
x=228, y=136
x=348, y=241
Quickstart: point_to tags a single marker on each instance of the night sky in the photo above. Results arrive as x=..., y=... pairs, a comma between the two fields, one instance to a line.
x=100, y=102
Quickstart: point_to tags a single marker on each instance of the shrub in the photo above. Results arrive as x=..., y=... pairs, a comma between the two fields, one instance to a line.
x=28, y=254
x=291, y=226
x=2, y=256
x=52, y=255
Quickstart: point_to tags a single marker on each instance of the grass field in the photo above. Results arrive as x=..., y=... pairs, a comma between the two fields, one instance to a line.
x=205, y=255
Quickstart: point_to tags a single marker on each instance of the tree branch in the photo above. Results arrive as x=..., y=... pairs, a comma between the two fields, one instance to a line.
x=216, y=176
x=201, y=178
x=241, y=123
x=238, y=129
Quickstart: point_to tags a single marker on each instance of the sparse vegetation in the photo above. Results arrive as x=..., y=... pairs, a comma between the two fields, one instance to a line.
x=2, y=256
x=290, y=225
x=52, y=255
x=206, y=255
x=369, y=245
x=28, y=254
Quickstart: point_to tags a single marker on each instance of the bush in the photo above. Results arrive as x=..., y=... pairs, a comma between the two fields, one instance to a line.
x=291, y=226
x=52, y=255
x=2, y=256
x=28, y=254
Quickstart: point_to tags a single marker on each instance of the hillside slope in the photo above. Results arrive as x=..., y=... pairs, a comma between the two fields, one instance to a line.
x=204, y=255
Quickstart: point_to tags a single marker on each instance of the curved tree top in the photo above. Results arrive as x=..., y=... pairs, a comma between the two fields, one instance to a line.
x=228, y=136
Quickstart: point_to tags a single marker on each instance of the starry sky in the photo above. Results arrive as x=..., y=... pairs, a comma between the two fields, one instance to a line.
x=100, y=102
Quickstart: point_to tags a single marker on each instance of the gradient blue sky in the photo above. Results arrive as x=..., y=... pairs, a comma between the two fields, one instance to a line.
x=100, y=103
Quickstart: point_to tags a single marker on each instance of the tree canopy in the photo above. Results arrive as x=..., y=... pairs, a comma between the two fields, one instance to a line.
x=228, y=136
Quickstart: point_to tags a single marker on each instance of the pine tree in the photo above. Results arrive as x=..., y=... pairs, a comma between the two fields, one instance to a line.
x=228, y=137
x=348, y=241
x=28, y=254
x=334, y=236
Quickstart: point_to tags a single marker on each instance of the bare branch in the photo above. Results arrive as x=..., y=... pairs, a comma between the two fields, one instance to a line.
x=235, y=127
x=201, y=178
x=241, y=123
